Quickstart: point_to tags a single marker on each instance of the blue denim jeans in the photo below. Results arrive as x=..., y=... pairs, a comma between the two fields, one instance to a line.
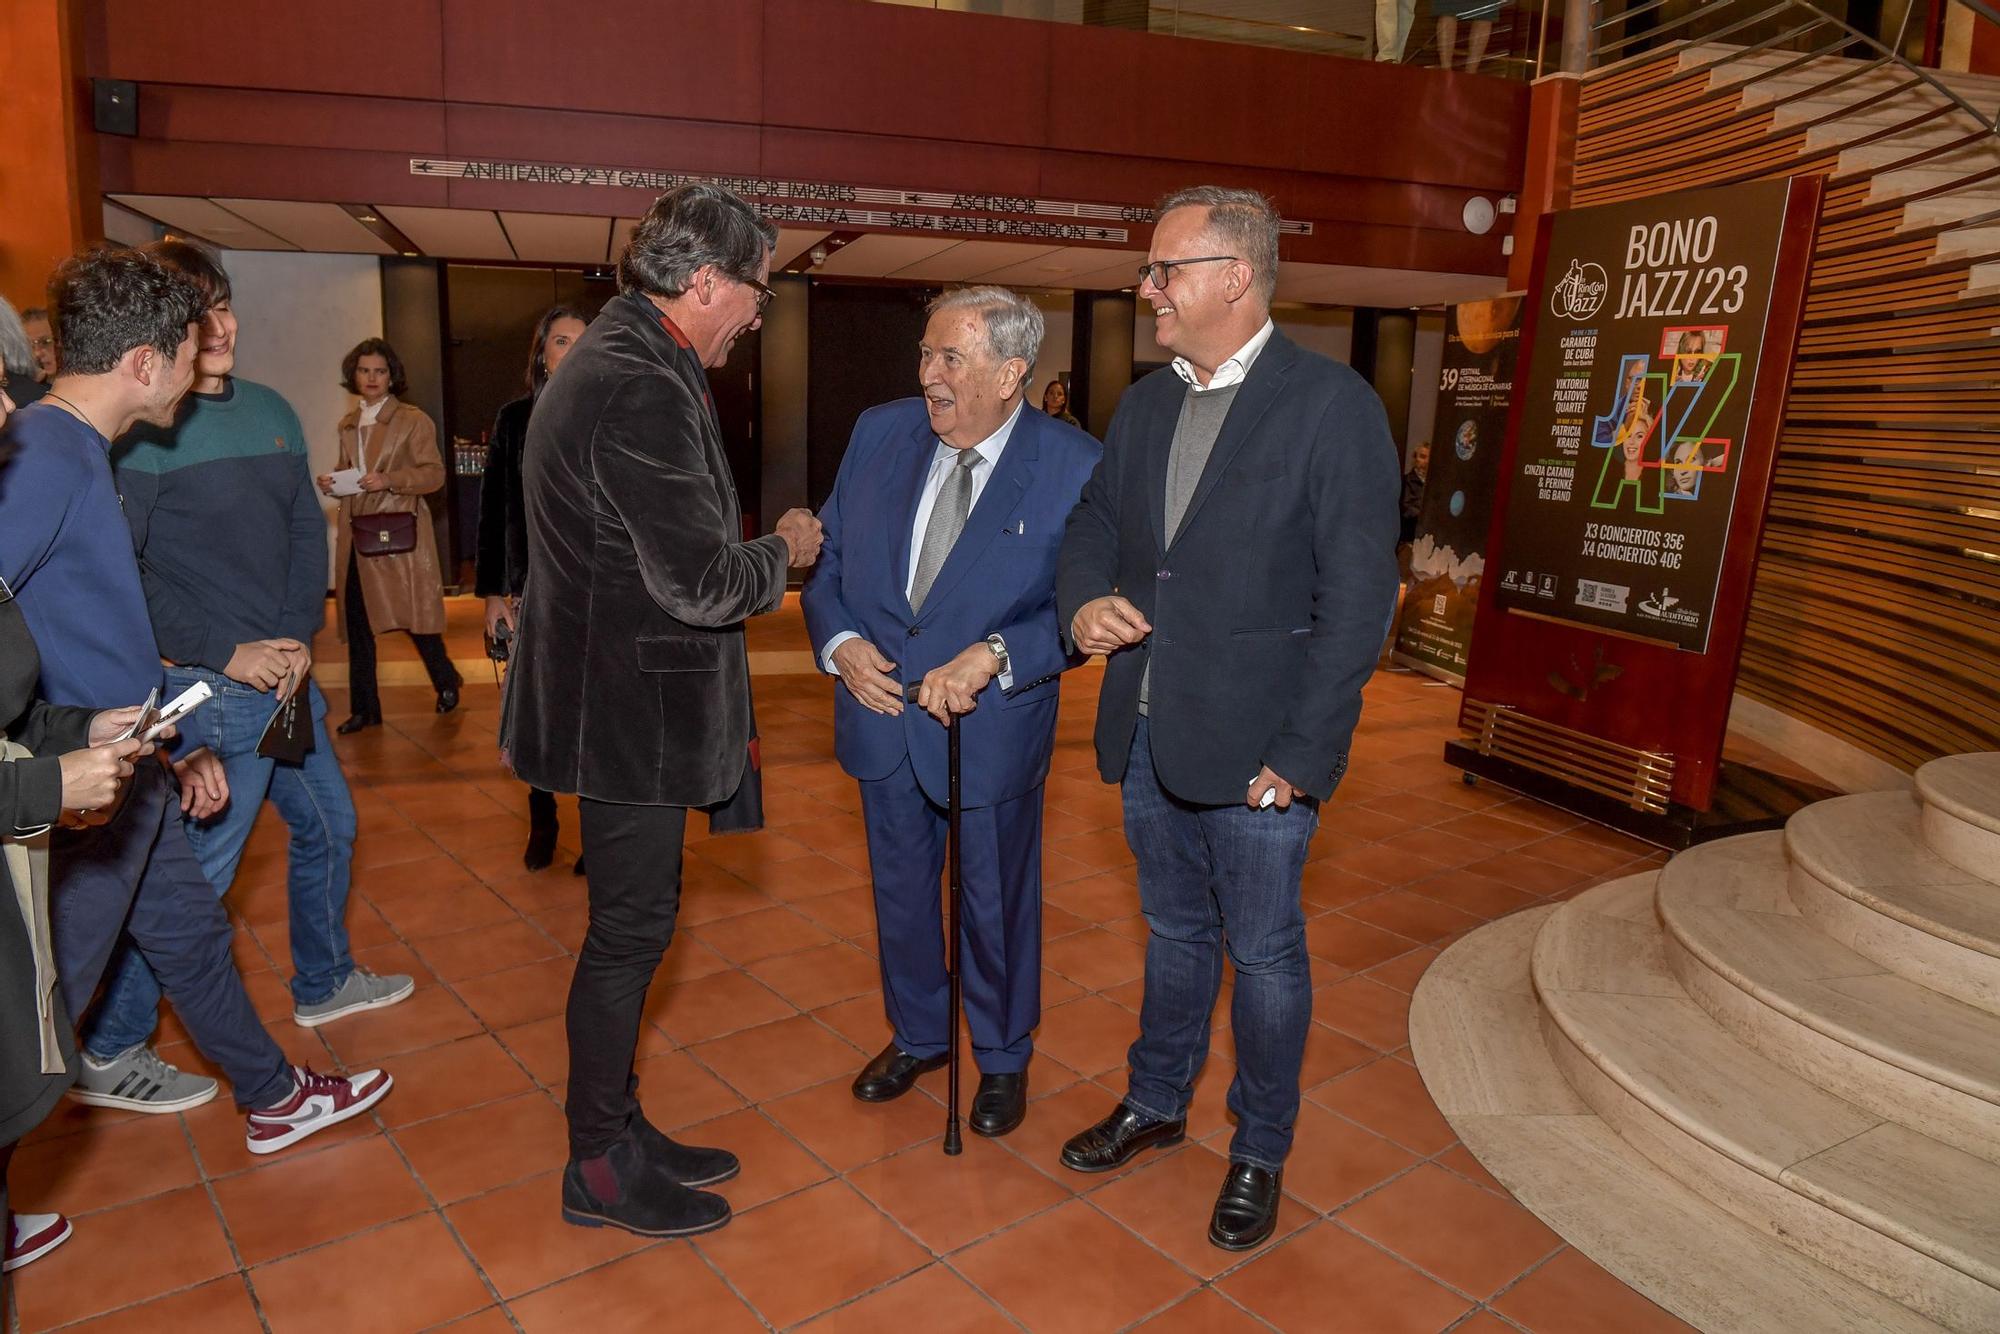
x=138, y=874
x=316, y=806
x=1216, y=879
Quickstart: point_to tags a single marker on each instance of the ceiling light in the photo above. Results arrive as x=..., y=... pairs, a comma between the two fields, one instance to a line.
x=409, y=254
x=367, y=217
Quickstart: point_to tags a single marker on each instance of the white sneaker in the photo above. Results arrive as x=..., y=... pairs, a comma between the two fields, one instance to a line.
x=317, y=1101
x=139, y=1081
x=31, y=1236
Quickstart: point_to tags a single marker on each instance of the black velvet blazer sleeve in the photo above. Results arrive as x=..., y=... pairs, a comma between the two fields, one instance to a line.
x=650, y=463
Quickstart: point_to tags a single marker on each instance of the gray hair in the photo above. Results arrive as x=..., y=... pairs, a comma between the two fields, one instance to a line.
x=1243, y=222
x=17, y=354
x=690, y=227
x=1013, y=323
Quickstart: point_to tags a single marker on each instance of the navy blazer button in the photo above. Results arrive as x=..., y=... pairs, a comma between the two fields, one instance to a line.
x=915, y=630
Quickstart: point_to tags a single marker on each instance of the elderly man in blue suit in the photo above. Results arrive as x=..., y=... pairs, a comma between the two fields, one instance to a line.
x=939, y=571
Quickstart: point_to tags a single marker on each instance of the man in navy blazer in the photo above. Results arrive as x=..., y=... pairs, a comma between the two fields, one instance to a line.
x=1235, y=557
x=939, y=571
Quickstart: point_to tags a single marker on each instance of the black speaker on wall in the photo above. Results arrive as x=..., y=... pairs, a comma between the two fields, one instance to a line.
x=115, y=106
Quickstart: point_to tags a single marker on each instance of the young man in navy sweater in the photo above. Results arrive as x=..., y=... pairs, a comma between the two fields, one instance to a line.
x=233, y=559
x=125, y=326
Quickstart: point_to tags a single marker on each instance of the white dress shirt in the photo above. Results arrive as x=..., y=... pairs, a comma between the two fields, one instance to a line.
x=943, y=459
x=1233, y=371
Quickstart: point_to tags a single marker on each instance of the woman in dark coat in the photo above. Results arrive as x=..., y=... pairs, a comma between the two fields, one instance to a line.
x=49, y=774
x=502, y=566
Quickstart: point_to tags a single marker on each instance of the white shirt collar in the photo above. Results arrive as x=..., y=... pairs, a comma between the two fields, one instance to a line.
x=993, y=446
x=1235, y=370
x=370, y=411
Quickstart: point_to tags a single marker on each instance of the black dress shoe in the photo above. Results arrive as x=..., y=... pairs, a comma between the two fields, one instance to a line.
x=541, y=847
x=626, y=1188
x=448, y=699
x=1246, y=1212
x=356, y=722
x=1113, y=1142
x=1000, y=1105
x=892, y=1074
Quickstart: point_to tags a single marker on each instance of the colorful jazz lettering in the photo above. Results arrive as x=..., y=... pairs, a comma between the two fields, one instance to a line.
x=1657, y=465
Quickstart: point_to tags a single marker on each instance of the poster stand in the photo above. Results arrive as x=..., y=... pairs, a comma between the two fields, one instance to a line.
x=1656, y=354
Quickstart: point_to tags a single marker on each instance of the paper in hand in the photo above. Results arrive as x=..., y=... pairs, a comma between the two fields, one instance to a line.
x=346, y=482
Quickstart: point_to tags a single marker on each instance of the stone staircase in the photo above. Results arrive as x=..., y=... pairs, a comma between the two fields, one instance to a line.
x=1762, y=1084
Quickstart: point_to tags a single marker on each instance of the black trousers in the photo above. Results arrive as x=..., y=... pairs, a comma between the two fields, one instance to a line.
x=634, y=855
x=363, y=697
x=541, y=808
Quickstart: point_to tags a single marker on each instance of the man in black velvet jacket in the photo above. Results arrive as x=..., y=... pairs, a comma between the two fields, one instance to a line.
x=1234, y=554
x=630, y=684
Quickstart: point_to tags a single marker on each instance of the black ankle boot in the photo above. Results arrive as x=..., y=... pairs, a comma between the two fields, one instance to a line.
x=627, y=1188
x=541, y=846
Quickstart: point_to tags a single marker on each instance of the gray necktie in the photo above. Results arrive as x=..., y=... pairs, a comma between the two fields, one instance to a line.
x=954, y=502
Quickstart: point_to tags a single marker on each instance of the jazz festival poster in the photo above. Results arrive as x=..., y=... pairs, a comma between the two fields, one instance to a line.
x=1448, y=560
x=1635, y=410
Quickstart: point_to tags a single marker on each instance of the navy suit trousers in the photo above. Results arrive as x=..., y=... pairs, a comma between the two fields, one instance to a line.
x=1000, y=938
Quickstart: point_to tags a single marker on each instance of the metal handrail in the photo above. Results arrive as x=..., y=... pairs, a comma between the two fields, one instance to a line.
x=1604, y=17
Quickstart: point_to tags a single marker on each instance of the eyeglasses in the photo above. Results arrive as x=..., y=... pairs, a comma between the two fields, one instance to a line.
x=1160, y=270
x=45, y=342
x=764, y=293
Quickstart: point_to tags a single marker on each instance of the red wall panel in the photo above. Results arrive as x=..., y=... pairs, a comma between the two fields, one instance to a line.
x=381, y=50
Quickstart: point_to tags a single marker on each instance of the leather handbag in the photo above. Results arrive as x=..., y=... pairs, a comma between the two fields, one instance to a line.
x=385, y=534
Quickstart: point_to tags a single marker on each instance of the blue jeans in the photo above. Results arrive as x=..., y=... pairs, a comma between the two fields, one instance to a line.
x=138, y=874
x=1215, y=879
x=316, y=806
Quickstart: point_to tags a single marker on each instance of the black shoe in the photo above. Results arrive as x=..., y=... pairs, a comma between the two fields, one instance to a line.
x=892, y=1074
x=356, y=722
x=541, y=847
x=627, y=1189
x=1246, y=1212
x=687, y=1164
x=447, y=699
x=1000, y=1105
x=578, y=868
x=1115, y=1140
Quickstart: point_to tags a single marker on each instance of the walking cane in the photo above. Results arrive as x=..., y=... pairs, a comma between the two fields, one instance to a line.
x=952, y=1145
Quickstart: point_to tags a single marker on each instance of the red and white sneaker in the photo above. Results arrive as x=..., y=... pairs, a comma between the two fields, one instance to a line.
x=31, y=1236
x=317, y=1101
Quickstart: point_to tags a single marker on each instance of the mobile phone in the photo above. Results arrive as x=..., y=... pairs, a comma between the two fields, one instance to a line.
x=178, y=708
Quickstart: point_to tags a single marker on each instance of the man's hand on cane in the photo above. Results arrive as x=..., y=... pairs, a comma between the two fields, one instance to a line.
x=954, y=687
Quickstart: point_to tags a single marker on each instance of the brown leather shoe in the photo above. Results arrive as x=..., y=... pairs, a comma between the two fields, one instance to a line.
x=1115, y=1140
x=892, y=1074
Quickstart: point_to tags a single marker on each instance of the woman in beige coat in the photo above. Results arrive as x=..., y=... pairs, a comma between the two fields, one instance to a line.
x=389, y=579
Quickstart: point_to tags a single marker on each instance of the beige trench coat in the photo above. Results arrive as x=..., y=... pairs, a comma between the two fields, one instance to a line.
x=403, y=592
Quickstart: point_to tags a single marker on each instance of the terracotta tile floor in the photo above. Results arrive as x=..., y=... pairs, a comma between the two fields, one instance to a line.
x=440, y=1210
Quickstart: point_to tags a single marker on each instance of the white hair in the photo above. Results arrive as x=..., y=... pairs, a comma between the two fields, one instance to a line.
x=1013, y=323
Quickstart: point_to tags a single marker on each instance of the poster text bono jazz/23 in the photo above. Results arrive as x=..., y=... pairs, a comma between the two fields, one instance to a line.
x=1668, y=275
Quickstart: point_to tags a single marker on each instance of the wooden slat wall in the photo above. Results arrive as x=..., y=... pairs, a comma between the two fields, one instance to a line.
x=1876, y=612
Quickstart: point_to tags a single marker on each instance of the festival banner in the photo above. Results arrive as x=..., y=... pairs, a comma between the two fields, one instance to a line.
x=1634, y=410
x=1656, y=353
x=1447, y=561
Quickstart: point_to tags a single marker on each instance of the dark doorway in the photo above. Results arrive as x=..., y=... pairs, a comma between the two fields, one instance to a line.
x=740, y=409
x=862, y=351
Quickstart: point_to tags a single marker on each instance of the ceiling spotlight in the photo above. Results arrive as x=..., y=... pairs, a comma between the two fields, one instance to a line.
x=818, y=253
x=367, y=217
x=409, y=254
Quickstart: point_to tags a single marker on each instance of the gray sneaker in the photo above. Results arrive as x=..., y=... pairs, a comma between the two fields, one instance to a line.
x=139, y=1081
x=361, y=991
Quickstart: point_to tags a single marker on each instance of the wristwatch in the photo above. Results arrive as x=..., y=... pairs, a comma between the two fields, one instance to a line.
x=999, y=647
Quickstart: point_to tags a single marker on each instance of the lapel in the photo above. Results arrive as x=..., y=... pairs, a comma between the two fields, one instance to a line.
x=1260, y=390
x=907, y=489
x=998, y=499
x=1158, y=434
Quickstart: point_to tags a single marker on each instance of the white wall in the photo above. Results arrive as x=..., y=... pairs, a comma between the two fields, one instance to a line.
x=297, y=316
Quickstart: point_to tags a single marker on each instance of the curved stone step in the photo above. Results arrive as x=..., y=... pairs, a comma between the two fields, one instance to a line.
x=1912, y=1218
x=1961, y=796
x=1475, y=1035
x=1863, y=872
x=1739, y=946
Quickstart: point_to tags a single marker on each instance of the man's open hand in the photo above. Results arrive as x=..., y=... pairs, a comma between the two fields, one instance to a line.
x=865, y=673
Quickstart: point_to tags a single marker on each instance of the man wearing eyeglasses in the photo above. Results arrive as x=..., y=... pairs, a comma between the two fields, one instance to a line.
x=630, y=684
x=1234, y=555
x=42, y=338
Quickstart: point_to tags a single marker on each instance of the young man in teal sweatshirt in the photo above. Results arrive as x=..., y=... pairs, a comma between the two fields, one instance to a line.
x=233, y=558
